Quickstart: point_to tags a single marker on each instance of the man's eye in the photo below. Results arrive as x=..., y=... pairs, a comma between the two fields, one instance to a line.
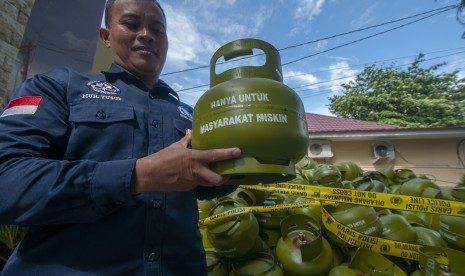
x=131, y=25
x=158, y=31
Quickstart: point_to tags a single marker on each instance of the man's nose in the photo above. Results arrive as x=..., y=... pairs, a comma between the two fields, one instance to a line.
x=145, y=34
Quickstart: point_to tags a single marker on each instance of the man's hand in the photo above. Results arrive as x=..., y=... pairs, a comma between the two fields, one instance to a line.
x=177, y=168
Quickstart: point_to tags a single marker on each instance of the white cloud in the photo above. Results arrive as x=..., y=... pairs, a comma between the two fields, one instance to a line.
x=461, y=75
x=176, y=86
x=300, y=77
x=231, y=24
x=365, y=19
x=321, y=44
x=193, y=39
x=455, y=63
x=186, y=43
x=308, y=9
x=264, y=12
x=304, y=12
x=340, y=72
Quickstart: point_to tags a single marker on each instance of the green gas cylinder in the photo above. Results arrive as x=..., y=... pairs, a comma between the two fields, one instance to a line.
x=205, y=207
x=313, y=211
x=306, y=163
x=236, y=235
x=349, y=170
x=421, y=187
x=373, y=185
x=215, y=264
x=271, y=220
x=373, y=263
x=307, y=174
x=397, y=177
x=344, y=270
x=249, y=107
x=395, y=189
x=328, y=175
x=247, y=197
x=375, y=175
x=452, y=229
x=363, y=219
x=302, y=250
x=397, y=228
x=405, y=174
x=412, y=218
x=270, y=237
x=299, y=179
x=458, y=193
x=257, y=264
x=441, y=261
x=429, y=237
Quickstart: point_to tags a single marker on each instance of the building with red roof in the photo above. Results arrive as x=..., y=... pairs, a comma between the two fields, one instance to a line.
x=438, y=153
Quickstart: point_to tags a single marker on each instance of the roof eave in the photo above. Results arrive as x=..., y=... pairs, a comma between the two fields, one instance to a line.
x=409, y=133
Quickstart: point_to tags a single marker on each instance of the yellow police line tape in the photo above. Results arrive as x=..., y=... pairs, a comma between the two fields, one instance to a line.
x=367, y=198
x=327, y=195
x=257, y=209
x=379, y=245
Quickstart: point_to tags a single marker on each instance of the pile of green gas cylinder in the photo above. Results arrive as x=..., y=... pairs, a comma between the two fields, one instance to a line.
x=250, y=107
x=295, y=241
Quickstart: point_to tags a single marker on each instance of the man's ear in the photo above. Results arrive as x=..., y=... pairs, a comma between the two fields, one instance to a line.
x=105, y=36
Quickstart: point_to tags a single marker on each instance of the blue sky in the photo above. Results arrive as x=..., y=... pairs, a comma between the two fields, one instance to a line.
x=197, y=28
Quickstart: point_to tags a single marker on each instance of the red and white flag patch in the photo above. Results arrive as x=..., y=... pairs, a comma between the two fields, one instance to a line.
x=22, y=105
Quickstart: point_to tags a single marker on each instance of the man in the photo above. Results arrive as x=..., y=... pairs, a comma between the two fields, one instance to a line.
x=98, y=165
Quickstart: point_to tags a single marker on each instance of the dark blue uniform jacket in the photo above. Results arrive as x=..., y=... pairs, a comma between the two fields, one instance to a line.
x=68, y=145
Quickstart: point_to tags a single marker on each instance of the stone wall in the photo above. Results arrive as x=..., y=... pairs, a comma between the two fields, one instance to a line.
x=13, y=18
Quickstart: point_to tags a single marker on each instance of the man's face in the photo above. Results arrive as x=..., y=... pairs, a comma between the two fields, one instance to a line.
x=137, y=37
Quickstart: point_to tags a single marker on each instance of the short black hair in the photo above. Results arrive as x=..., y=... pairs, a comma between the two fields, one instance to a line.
x=109, y=6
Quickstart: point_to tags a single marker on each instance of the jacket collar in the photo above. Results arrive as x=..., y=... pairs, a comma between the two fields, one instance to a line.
x=116, y=69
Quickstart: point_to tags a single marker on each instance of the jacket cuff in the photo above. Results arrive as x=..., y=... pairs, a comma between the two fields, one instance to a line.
x=111, y=184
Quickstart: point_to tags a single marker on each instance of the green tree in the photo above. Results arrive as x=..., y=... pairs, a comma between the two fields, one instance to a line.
x=417, y=97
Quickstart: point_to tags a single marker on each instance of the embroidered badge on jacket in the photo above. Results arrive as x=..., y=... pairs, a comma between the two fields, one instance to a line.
x=103, y=87
x=184, y=113
x=22, y=106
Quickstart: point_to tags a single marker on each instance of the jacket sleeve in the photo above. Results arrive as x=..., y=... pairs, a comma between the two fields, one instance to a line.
x=36, y=185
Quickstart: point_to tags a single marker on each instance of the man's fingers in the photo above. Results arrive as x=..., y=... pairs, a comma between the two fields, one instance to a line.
x=216, y=155
x=214, y=179
x=184, y=141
